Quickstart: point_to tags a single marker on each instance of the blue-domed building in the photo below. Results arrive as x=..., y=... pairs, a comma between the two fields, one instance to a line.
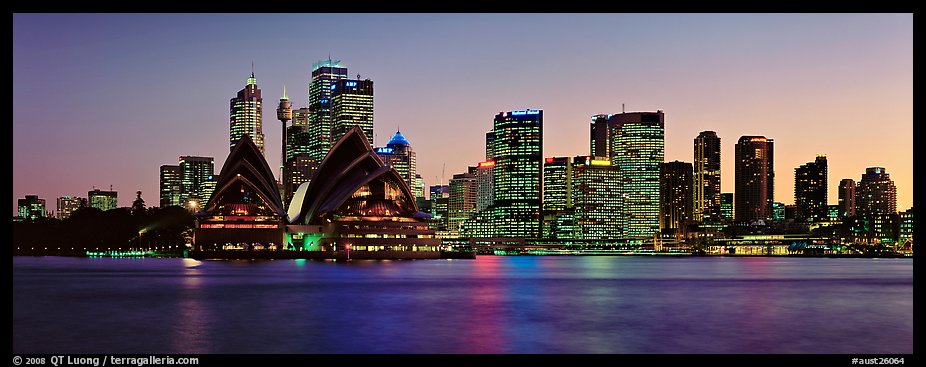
x=398, y=154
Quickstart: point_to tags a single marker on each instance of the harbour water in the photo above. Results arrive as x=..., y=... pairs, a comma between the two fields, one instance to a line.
x=494, y=304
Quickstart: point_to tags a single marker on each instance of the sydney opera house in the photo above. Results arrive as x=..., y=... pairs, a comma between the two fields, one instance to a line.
x=355, y=206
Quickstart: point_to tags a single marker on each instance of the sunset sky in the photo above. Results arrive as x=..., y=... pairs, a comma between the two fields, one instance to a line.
x=106, y=99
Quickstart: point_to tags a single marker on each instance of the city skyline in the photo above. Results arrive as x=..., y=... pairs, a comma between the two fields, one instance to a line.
x=109, y=83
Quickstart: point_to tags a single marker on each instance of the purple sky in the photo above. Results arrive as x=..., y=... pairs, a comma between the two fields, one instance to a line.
x=106, y=99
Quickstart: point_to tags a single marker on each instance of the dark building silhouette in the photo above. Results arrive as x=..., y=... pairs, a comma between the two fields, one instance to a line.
x=846, y=197
x=675, y=199
x=810, y=195
x=755, y=178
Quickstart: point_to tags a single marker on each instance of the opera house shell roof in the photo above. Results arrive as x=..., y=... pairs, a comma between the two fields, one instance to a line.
x=353, y=181
x=245, y=208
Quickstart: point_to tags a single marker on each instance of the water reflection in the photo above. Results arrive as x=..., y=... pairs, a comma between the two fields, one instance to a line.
x=495, y=304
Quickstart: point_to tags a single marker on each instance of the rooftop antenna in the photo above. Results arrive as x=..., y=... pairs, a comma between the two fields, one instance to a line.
x=443, y=167
x=622, y=108
x=252, y=68
x=110, y=187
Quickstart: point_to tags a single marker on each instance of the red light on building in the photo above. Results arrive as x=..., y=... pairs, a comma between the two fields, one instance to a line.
x=486, y=164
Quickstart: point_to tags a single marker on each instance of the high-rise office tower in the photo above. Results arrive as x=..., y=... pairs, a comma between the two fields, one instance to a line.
x=462, y=201
x=706, y=189
x=846, y=198
x=726, y=206
x=638, y=148
x=755, y=178
x=557, y=198
x=103, y=200
x=595, y=194
x=399, y=154
x=324, y=74
x=246, y=115
x=810, y=190
x=68, y=205
x=171, y=185
x=195, y=173
x=284, y=114
x=31, y=207
x=517, y=176
x=485, y=193
x=675, y=200
x=299, y=169
x=351, y=105
x=601, y=136
x=439, y=197
x=299, y=165
x=875, y=195
x=557, y=183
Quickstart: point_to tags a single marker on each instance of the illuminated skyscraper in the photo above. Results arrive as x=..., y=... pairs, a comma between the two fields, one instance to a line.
x=462, y=201
x=246, y=115
x=706, y=189
x=755, y=178
x=171, y=185
x=517, y=176
x=351, y=105
x=67, y=205
x=485, y=193
x=31, y=207
x=595, y=195
x=299, y=164
x=284, y=114
x=399, y=154
x=324, y=74
x=439, y=197
x=557, y=210
x=875, y=195
x=810, y=190
x=557, y=183
x=103, y=200
x=638, y=148
x=195, y=173
x=675, y=201
x=299, y=168
x=846, y=197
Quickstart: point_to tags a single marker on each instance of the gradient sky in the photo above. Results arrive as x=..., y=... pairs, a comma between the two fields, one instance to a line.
x=106, y=99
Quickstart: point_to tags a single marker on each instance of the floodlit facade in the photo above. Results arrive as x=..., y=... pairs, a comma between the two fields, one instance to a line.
x=356, y=201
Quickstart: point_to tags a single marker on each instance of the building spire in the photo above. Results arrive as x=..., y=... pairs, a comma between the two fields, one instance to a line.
x=252, y=68
x=284, y=92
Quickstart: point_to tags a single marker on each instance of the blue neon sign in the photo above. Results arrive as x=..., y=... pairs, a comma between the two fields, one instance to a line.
x=351, y=84
x=333, y=85
x=525, y=112
x=384, y=150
